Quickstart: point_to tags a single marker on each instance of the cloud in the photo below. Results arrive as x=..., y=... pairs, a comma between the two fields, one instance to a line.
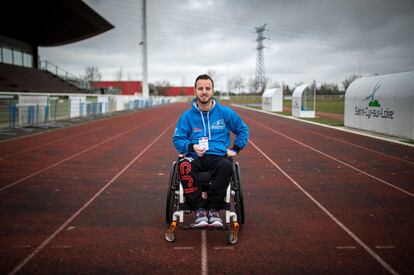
x=325, y=40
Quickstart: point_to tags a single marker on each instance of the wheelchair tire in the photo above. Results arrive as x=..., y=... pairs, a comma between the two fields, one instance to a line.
x=172, y=186
x=238, y=198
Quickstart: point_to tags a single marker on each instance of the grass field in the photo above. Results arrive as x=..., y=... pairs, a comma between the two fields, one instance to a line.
x=326, y=104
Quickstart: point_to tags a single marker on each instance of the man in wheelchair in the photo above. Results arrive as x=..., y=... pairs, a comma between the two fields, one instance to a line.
x=203, y=135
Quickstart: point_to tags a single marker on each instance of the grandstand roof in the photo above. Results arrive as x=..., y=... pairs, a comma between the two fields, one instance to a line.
x=50, y=22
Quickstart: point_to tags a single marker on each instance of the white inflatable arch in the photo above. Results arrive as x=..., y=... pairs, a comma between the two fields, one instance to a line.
x=382, y=104
x=303, y=102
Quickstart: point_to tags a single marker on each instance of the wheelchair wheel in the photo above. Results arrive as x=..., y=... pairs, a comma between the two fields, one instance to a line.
x=238, y=197
x=171, y=199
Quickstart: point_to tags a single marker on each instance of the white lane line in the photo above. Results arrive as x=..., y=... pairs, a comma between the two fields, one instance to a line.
x=48, y=143
x=360, y=147
x=330, y=215
x=65, y=138
x=183, y=247
x=348, y=130
x=351, y=144
x=80, y=210
x=72, y=156
x=335, y=159
x=204, y=261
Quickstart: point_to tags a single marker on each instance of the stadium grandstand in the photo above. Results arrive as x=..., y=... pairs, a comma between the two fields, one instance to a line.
x=26, y=25
x=36, y=93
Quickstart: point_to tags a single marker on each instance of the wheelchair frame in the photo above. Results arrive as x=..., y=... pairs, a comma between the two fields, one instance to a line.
x=176, y=207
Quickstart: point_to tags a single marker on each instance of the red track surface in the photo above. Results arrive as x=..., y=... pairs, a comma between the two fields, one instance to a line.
x=91, y=199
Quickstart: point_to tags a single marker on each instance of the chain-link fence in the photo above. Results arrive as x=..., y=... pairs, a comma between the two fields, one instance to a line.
x=43, y=110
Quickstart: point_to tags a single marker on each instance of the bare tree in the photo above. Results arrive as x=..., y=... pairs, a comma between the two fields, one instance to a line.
x=273, y=83
x=159, y=86
x=287, y=90
x=236, y=83
x=251, y=86
x=297, y=84
x=163, y=83
x=213, y=74
x=119, y=74
x=92, y=74
x=349, y=80
x=328, y=89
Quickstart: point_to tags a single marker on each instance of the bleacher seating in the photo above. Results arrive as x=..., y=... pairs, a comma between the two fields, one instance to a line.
x=21, y=79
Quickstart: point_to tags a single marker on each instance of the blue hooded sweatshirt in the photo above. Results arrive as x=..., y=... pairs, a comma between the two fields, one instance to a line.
x=215, y=125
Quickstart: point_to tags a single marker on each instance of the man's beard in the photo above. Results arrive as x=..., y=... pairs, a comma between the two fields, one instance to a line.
x=203, y=101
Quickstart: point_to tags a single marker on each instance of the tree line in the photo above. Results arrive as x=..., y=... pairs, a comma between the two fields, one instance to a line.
x=236, y=84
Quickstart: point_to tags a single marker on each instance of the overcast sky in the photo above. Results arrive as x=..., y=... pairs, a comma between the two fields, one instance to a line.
x=322, y=40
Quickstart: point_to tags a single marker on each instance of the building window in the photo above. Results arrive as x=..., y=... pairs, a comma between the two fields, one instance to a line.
x=7, y=55
x=17, y=58
x=27, y=60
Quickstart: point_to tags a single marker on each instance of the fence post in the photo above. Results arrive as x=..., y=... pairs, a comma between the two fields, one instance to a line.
x=55, y=109
x=14, y=112
x=47, y=110
x=69, y=107
x=37, y=114
x=29, y=114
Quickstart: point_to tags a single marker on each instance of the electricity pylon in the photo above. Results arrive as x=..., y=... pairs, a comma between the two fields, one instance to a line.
x=260, y=81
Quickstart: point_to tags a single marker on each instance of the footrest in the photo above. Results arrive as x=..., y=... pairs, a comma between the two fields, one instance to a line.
x=192, y=226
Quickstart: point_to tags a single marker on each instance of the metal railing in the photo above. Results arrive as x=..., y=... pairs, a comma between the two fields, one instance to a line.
x=65, y=75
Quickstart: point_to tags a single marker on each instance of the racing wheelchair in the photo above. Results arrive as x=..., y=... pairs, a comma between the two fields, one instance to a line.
x=176, y=207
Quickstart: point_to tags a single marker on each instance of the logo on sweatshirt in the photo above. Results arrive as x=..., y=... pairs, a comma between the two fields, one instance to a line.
x=196, y=130
x=218, y=125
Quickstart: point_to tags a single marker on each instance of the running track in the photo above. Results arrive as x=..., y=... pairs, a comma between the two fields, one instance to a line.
x=91, y=199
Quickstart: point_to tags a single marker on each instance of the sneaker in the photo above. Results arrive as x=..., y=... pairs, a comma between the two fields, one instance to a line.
x=214, y=219
x=201, y=218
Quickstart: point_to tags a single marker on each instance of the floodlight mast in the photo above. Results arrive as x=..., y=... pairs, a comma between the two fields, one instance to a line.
x=260, y=81
x=145, y=91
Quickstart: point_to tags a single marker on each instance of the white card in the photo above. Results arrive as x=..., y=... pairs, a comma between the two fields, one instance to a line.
x=203, y=142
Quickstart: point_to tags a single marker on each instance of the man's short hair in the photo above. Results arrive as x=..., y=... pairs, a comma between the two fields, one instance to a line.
x=203, y=76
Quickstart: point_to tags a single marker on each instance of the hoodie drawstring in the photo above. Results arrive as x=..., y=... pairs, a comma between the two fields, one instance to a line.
x=208, y=125
x=208, y=120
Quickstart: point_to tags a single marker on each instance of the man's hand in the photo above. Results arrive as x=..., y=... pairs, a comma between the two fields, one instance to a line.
x=231, y=153
x=199, y=150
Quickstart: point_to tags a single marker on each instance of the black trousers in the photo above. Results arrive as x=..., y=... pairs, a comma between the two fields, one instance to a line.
x=220, y=169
